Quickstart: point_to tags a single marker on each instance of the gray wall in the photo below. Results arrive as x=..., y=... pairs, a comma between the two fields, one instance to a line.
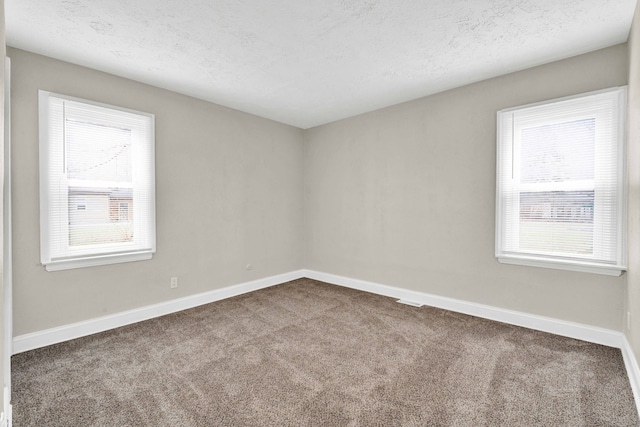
x=402, y=196
x=405, y=196
x=229, y=192
x=633, y=143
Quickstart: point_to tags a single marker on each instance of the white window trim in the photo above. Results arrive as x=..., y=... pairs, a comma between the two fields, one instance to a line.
x=570, y=264
x=83, y=260
x=96, y=260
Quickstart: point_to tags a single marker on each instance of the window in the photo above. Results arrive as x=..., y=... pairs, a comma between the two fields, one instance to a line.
x=560, y=199
x=97, y=183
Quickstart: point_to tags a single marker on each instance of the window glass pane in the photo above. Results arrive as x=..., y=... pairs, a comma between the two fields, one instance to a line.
x=557, y=222
x=98, y=216
x=97, y=152
x=558, y=152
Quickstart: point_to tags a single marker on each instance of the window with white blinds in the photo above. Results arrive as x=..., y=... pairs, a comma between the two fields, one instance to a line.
x=560, y=184
x=97, y=183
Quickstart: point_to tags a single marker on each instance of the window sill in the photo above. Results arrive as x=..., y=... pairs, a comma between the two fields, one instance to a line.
x=583, y=267
x=68, y=264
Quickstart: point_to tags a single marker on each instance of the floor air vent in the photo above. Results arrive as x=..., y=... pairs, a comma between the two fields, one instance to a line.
x=411, y=303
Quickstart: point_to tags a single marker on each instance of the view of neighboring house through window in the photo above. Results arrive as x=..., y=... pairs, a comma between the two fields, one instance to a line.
x=560, y=196
x=98, y=166
x=97, y=186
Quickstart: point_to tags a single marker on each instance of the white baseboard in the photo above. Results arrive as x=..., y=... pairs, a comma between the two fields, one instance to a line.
x=579, y=331
x=546, y=324
x=633, y=371
x=51, y=336
x=583, y=332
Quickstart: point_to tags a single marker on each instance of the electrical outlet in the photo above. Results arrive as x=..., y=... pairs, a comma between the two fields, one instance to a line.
x=174, y=282
x=628, y=320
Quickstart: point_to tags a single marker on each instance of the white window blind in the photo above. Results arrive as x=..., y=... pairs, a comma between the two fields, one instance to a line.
x=97, y=183
x=560, y=183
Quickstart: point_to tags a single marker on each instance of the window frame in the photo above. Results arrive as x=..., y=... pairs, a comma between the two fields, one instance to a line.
x=508, y=134
x=57, y=256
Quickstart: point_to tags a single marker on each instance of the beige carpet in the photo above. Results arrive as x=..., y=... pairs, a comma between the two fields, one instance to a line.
x=306, y=353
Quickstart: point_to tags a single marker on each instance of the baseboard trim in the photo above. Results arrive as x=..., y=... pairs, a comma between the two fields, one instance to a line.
x=583, y=332
x=633, y=371
x=51, y=336
x=546, y=324
x=579, y=331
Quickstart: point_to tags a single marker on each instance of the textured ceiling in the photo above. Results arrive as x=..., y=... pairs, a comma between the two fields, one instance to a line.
x=309, y=62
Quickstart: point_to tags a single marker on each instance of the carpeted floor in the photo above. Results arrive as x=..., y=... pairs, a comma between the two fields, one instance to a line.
x=306, y=353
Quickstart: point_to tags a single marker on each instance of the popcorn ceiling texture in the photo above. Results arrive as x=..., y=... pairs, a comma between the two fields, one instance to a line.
x=311, y=62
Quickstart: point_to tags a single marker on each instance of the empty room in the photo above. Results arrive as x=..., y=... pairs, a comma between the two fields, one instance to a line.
x=320, y=213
